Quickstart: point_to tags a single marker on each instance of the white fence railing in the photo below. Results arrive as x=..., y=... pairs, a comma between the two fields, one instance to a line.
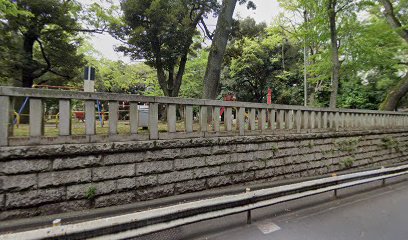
x=185, y=118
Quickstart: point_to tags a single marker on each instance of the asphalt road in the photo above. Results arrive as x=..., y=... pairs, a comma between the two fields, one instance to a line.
x=366, y=212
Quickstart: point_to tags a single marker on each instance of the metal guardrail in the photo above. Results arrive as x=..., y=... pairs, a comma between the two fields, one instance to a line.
x=149, y=221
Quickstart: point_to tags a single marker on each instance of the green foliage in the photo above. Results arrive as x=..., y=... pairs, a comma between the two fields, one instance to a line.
x=391, y=143
x=348, y=145
x=372, y=55
x=161, y=32
x=259, y=58
x=347, y=163
x=192, y=85
x=38, y=37
x=90, y=193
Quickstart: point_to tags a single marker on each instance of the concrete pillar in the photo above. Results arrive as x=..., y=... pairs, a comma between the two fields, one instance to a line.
x=188, y=121
x=228, y=119
x=252, y=117
x=305, y=120
x=319, y=120
x=241, y=120
x=298, y=120
x=271, y=119
x=312, y=119
x=281, y=119
x=113, y=117
x=203, y=119
x=36, y=117
x=171, y=118
x=289, y=119
x=64, y=124
x=6, y=125
x=133, y=117
x=262, y=119
x=90, y=117
x=216, y=118
x=325, y=119
x=154, y=120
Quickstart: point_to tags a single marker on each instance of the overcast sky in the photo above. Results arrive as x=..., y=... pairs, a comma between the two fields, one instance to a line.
x=265, y=12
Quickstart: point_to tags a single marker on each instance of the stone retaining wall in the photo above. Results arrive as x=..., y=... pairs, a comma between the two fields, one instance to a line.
x=51, y=179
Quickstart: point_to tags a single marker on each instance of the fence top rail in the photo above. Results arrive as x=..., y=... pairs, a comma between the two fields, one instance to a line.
x=61, y=94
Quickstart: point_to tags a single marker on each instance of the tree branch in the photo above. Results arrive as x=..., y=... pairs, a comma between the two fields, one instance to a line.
x=47, y=60
x=206, y=30
x=393, y=20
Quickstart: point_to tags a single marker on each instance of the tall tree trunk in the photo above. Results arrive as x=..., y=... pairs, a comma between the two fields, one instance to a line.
x=218, y=46
x=400, y=90
x=335, y=75
x=27, y=72
x=395, y=94
x=392, y=19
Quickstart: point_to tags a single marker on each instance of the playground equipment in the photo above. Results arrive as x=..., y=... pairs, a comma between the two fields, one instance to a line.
x=230, y=97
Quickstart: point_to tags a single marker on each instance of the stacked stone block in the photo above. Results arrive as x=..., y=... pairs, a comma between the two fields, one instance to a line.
x=53, y=179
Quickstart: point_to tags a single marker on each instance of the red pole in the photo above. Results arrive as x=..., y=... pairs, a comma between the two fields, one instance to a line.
x=269, y=96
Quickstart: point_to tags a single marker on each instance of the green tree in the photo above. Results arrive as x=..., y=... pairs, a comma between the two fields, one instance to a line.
x=262, y=60
x=44, y=39
x=396, y=15
x=161, y=32
x=218, y=47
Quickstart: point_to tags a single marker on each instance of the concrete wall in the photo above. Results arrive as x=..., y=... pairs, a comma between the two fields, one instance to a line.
x=51, y=179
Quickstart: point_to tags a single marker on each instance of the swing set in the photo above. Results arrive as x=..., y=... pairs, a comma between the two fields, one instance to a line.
x=80, y=115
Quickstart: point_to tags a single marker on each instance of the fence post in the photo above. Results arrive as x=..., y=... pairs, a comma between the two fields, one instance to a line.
x=228, y=119
x=133, y=117
x=203, y=119
x=5, y=119
x=154, y=120
x=90, y=117
x=241, y=120
x=252, y=117
x=36, y=117
x=216, y=118
x=113, y=117
x=171, y=118
x=188, y=118
x=64, y=124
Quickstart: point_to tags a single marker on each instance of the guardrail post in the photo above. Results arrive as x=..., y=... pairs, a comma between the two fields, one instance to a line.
x=5, y=119
x=249, y=217
x=36, y=117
